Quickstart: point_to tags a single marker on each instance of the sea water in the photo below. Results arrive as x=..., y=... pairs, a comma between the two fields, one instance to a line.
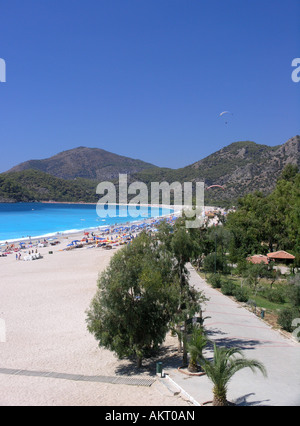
x=23, y=220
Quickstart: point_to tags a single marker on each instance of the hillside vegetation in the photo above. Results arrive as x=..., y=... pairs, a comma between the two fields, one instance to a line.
x=241, y=168
x=34, y=185
x=87, y=163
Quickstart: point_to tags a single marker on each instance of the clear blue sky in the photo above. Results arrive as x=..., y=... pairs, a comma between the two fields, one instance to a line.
x=146, y=78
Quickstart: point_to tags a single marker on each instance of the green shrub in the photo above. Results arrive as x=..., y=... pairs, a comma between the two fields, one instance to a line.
x=228, y=288
x=294, y=294
x=241, y=294
x=286, y=317
x=274, y=295
x=215, y=280
x=219, y=262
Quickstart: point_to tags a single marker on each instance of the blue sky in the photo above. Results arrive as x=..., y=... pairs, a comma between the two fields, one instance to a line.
x=146, y=78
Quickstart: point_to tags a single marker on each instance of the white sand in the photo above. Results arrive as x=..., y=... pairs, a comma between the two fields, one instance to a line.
x=43, y=303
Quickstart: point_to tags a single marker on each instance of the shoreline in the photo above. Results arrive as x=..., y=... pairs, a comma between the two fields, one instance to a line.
x=68, y=232
x=43, y=303
x=176, y=210
x=104, y=229
x=44, y=297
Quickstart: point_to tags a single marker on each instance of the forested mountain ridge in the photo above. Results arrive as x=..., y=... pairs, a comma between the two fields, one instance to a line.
x=87, y=163
x=241, y=168
x=34, y=185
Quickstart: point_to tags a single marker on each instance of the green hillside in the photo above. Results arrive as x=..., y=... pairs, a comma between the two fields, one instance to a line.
x=87, y=163
x=240, y=168
x=34, y=185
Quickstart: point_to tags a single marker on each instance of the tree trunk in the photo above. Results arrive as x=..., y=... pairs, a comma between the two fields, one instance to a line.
x=184, y=356
x=193, y=367
x=139, y=361
x=179, y=348
x=219, y=399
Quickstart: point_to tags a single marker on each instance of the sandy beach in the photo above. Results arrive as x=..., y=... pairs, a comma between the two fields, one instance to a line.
x=43, y=304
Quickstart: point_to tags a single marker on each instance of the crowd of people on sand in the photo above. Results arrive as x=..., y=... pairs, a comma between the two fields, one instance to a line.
x=20, y=249
x=106, y=238
x=115, y=235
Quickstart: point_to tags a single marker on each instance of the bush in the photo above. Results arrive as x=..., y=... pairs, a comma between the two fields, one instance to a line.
x=210, y=262
x=241, y=294
x=228, y=288
x=286, y=317
x=274, y=295
x=215, y=281
x=294, y=295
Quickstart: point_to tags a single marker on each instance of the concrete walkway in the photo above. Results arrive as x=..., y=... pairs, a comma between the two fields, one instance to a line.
x=232, y=325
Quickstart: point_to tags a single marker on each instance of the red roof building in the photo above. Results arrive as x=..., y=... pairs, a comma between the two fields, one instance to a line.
x=258, y=258
x=280, y=255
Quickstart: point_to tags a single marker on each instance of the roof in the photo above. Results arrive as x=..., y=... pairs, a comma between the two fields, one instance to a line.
x=280, y=255
x=258, y=258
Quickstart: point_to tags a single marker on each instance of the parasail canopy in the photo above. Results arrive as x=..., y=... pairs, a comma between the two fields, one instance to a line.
x=216, y=186
x=226, y=115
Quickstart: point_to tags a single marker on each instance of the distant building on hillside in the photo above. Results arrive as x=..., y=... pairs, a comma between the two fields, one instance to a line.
x=258, y=258
x=281, y=256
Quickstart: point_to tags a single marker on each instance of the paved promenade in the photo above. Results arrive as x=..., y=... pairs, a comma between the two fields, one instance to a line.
x=232, y=325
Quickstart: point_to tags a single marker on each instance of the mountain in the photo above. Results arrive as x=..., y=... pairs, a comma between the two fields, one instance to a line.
x=240, y=167
x=72, y=175
x=87, y=163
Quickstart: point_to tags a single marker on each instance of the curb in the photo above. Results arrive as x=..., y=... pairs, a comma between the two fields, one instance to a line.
x=190, y=398
x=190, y=374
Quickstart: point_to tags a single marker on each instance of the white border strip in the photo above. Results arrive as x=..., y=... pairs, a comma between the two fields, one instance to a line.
x=183, y=391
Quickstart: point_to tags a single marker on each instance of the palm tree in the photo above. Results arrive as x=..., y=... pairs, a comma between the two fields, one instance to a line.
x=223, y=367
x=195, y=346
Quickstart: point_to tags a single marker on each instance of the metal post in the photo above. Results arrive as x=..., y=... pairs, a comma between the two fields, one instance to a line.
x=215, y=253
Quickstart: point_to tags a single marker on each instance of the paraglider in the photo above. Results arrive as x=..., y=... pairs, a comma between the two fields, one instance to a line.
x=226, y=115
x=216, y=186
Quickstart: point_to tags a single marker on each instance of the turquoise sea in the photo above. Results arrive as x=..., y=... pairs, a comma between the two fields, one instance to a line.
x=21, y=220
